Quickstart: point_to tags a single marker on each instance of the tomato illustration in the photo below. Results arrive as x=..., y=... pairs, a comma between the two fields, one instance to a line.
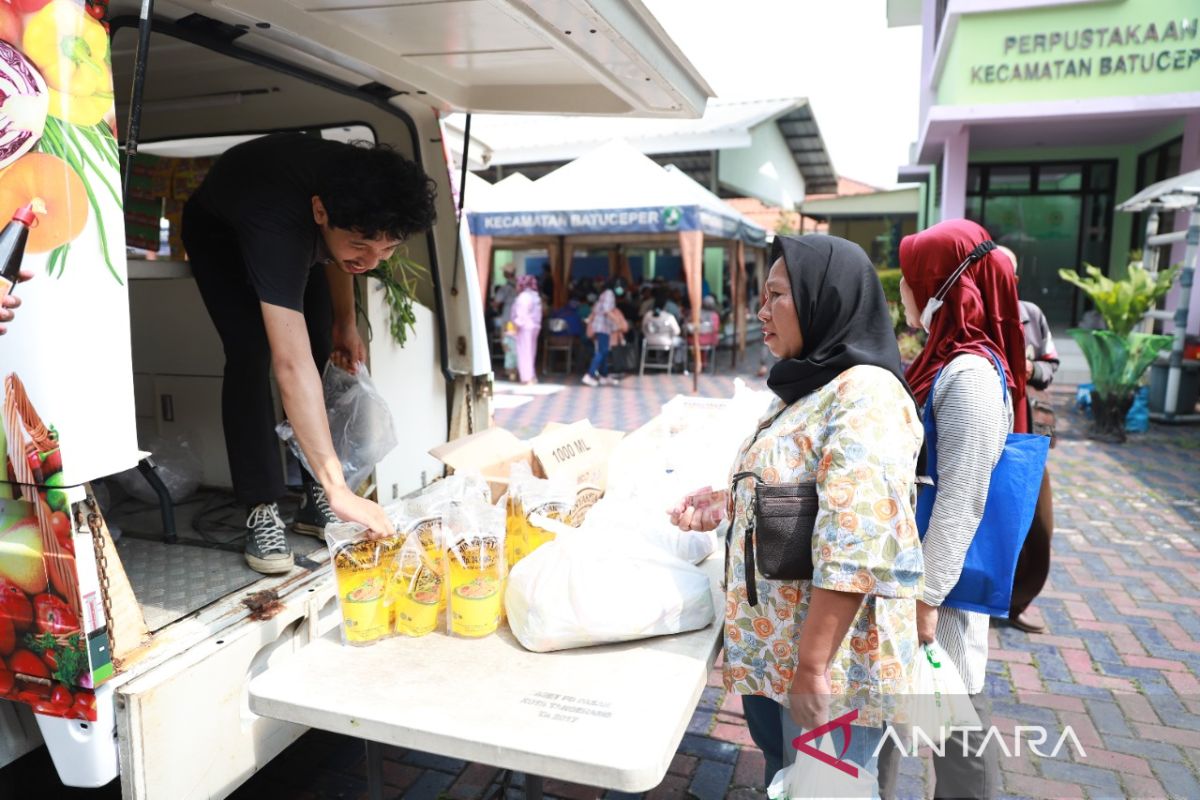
x=62, y=695
x=33, y=694
x=51, y=462
x=26, y=662
x=8, y=636
x=50, y=708
x=15, y=605
x=84, y=707
x=60, y=524
x=53, y=615
x=6, y=682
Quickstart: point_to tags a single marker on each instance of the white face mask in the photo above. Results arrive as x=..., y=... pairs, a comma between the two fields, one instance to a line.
x=936, y=302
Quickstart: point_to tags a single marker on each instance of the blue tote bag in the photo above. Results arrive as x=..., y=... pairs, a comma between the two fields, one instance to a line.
x=986, y=582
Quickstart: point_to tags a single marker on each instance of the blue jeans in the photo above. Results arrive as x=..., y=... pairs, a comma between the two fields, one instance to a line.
x=772, y=729
x=600, y=359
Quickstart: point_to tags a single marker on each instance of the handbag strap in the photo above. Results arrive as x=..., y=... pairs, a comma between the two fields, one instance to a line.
x=930, y=424
x=748, y=539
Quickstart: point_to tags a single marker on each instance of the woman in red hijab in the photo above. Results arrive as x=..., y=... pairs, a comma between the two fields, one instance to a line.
x=963, y=292
x=980, y=310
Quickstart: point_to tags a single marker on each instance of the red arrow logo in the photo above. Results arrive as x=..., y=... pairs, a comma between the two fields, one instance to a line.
x=844, y=721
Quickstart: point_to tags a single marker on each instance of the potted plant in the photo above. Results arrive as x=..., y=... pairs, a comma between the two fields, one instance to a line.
x=1118, y=356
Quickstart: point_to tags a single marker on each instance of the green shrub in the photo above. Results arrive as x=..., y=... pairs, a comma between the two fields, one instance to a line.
x=890, y=278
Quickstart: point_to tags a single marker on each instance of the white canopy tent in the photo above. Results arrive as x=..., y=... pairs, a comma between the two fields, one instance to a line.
x=611, y=196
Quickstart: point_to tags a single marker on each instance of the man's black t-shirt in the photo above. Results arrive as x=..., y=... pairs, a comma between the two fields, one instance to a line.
x=262, y=192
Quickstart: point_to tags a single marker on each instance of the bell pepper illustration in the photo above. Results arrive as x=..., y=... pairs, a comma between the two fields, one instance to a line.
x=72, y=51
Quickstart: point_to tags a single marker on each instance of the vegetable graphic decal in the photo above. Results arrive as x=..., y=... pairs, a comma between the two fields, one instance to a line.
x=56, y=193
x=71, y=50
x=23, y=100
x=56, y=95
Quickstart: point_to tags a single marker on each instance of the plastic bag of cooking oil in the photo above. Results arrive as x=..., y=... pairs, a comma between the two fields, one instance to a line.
x=416, y=584
x=461, y=487
x=475, y=568
x=528, y=496
x=363, y=565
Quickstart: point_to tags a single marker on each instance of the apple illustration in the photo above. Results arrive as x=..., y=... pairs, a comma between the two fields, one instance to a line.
x=21, y=557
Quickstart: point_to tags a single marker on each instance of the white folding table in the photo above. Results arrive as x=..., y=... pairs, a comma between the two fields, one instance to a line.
x=609, y=716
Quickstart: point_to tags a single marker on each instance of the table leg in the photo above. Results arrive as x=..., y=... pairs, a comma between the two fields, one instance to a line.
x=374, y=770
x=533, y=787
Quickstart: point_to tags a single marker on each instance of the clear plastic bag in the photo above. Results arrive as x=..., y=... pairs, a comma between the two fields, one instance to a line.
x=528, y=496
x=416, y=588
x=461, y=487
x=177, y=465
x=475, y=569
x=808, y=778
x=939, y=699
x=363, y=569
x=359, y=422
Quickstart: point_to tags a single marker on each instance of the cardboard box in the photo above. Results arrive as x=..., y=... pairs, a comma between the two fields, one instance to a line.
x=576, y=451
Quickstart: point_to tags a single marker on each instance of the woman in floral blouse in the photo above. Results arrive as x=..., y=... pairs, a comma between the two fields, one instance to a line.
x=810, y=651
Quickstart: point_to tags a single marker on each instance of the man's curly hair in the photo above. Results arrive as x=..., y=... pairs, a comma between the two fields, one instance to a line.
x=375, y=191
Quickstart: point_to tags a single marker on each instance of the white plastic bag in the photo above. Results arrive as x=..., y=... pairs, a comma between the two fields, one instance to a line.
x=939, y=699
x=634, y=518
x=581, y=590
x=359, y=422
x=808, y=778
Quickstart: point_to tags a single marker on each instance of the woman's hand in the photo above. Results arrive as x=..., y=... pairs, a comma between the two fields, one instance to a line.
x=927, y=617
x=349, y=507
x=808, y=699
x=700, y=511
x=349, y=349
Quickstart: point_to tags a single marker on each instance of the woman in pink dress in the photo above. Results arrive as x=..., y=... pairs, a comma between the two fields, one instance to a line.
x=527, y=316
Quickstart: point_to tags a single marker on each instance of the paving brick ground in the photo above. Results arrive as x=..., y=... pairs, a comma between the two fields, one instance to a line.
x=1120, y=663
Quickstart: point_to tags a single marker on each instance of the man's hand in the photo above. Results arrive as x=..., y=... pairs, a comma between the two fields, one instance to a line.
x=12, y=302
x=808, y=699
x=349, y=350
x=1028, y=369
x=927, y=617
x=700, y=511
x=352, y=508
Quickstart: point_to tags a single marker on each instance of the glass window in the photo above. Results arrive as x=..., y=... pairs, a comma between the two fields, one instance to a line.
x=1054, y=178
x=974, y=209
x=1100, y=176
x=1009, y=179
x=974, y=180
x=1171, y=159
x=1148, y=168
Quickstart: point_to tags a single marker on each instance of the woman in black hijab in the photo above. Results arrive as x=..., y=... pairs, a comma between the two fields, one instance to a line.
x=806, y=652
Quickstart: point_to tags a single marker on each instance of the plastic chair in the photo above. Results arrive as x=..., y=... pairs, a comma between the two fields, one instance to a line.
x=708, y=352
x=651, y=329
x=557, y=340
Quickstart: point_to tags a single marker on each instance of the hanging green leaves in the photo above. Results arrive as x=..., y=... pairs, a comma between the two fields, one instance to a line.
x=398, y=281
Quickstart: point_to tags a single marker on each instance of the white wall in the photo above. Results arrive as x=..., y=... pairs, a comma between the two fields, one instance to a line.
x=766, y=169
x=411, y=381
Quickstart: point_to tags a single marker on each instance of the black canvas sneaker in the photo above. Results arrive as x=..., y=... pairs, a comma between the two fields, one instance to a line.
x=267, y=550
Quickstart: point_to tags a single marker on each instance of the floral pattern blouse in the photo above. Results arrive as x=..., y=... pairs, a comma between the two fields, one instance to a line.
x=858, y=437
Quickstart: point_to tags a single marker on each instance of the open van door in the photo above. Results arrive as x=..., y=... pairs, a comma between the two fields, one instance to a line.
x=111, y=350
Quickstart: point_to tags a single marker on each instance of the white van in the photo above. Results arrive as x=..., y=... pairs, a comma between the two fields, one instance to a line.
x=113, y=350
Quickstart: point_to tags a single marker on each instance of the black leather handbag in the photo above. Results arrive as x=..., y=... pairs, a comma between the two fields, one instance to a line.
x=778, y=540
